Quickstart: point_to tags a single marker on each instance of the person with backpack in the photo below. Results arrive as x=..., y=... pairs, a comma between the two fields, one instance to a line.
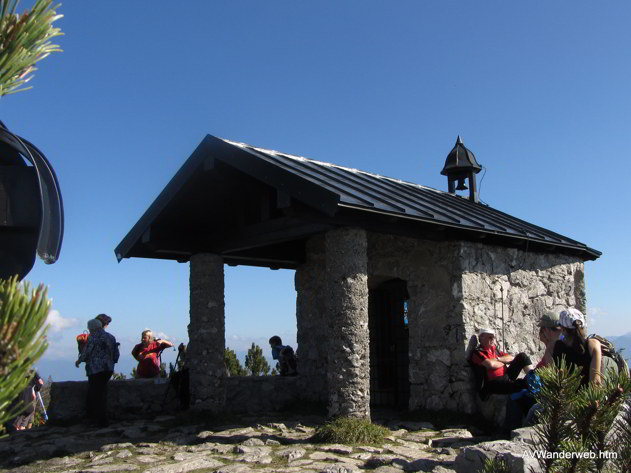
x=577, y=348
x=82, y=338
x=148, y=352
x=26, y=398
x=100, y=355
x=29, y=397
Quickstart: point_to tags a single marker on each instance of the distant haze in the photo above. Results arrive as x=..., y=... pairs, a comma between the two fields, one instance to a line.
x=622, y=342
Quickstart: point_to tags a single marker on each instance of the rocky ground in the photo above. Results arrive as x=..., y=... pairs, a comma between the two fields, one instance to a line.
x=255, y=445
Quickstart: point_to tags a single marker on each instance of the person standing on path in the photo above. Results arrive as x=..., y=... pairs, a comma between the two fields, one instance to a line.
x=100, y=355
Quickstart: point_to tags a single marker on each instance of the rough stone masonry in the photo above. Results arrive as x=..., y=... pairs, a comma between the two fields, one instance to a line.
x=347, y=286
x=206, y=333
x=455, y=288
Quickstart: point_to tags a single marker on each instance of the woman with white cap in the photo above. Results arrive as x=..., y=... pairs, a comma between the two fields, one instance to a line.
x=577, y=348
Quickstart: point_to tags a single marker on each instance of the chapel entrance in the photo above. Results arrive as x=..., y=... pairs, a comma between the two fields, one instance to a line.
x=389, y=359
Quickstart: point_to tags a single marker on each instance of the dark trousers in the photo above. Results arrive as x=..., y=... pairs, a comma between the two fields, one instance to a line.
x=181, y=382
x=516, y=410
x=96, y=401
x=509, y=383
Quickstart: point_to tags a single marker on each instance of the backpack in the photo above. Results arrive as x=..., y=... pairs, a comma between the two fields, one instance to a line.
x=610, y=356
x=82, y=341
x=287, y=361
x=534, y=383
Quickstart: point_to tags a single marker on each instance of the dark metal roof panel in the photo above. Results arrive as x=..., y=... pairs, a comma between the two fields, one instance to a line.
x=367, y=191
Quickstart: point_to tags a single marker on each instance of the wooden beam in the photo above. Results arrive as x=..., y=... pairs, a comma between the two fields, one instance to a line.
x=162, y=240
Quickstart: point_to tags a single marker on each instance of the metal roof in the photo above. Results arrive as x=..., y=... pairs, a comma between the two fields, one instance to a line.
x=363, y=190
x=333, y=189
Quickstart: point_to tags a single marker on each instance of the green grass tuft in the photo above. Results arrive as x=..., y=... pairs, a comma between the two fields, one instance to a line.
x=495, y=465
x=351, y=431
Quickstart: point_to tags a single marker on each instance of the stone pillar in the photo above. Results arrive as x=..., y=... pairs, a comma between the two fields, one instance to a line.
x=311, y=321
x=206, y=333
x=348, y=354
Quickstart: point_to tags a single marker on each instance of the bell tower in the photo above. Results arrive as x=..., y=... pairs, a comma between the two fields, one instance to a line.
x=461, y=165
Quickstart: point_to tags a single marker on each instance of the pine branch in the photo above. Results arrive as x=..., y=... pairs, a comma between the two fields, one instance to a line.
x=557, y=398
x=23, y=313
x=24, y=41
x=580, y=422
x=620, y=441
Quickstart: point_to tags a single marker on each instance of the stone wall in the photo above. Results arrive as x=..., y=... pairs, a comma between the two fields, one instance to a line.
x=434, y=322
x=522, y=284
x=143, y=398
x=127, y=399
x=313, y=327
x=454, y=290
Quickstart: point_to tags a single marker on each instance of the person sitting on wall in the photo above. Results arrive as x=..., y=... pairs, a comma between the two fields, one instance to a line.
x=285, y=356
x=501, y=369
x=577, y=348
x=148, y=352
x=549, y=333
x=501, y=372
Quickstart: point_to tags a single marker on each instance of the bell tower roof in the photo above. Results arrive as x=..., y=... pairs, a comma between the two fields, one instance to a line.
x=460, y=161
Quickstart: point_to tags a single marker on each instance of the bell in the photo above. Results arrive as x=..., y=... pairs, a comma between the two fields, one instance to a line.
x=461, y=185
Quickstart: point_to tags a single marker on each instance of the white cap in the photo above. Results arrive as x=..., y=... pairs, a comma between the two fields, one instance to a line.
x=490, y=331
x=572, y=318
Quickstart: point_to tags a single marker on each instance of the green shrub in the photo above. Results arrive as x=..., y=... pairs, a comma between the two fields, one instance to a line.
x=350, y=430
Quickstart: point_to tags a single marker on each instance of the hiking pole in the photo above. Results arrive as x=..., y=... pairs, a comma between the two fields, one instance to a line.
x=39, y=396
x=166, y=393
x=503, y=333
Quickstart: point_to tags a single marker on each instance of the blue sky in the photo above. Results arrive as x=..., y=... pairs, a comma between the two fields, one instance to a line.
x=539, y=92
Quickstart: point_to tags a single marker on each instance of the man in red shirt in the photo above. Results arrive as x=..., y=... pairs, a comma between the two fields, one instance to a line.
x=501, y=369
x=148, y=355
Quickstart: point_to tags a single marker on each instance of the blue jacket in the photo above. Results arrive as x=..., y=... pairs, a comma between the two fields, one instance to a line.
x=100, y=353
